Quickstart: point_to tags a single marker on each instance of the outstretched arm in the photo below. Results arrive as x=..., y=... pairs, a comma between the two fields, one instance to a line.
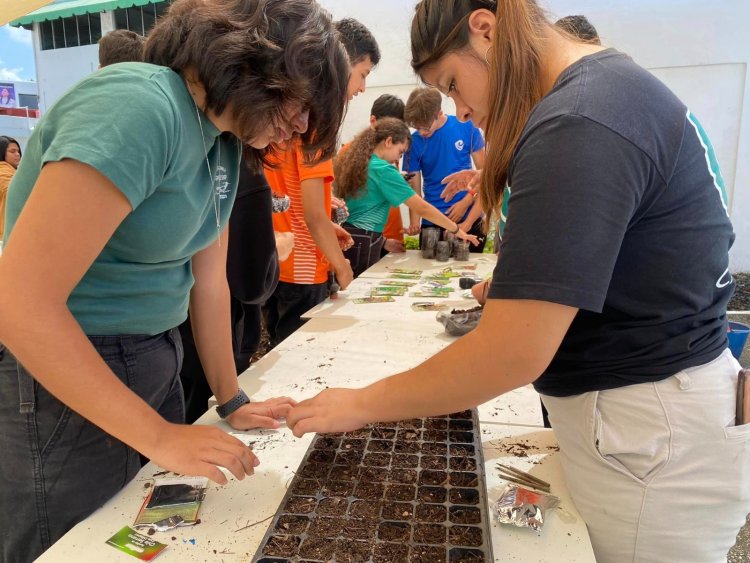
x=69, y=217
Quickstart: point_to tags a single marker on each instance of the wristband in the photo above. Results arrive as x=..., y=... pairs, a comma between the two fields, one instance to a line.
x=233, y=404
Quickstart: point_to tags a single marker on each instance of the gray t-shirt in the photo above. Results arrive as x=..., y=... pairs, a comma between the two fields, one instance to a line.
x=618, y=208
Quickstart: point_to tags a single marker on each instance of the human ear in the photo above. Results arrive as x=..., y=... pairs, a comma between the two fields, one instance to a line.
x=482, y=26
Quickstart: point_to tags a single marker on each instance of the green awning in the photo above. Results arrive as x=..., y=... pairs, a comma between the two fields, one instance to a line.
x=76, y=8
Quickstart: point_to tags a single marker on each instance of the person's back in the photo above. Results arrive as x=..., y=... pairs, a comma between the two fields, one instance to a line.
x=660, y=193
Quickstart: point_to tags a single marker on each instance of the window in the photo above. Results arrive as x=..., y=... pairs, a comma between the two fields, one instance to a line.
x=140, y=18
x=30, y=101
x=70, y=32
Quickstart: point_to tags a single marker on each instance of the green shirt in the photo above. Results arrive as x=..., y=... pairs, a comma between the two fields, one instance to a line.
x=137, y=125
x=385, y=188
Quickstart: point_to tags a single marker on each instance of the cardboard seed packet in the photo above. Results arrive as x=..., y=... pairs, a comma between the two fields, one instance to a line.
x=377, y=291
x=397, y=283
x=138, y=545
x=172, y=502
x=431, y=294
x=428, y=306
x=406, y=276
x=405, y=271
x=437, y=283
x=377, y=299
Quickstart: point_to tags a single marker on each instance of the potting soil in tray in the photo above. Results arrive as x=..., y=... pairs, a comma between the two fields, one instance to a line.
x=411, y=492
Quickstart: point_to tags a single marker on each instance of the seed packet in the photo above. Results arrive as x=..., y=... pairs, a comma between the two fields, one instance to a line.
x=397, y=283
x=406, y=276
x=437, y=283
x=172, y=502
x=377, y=299
x=378, y=291
x=524, y=508
x=428, y=306
x=405, y=271
x=449, y=273
x=138, y=545
x=438, y=288
x=432, y=294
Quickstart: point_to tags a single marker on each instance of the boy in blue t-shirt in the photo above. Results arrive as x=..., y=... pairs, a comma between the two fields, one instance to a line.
x=442, y=145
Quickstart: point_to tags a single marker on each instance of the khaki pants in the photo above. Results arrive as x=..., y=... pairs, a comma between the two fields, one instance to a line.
x=658, y=471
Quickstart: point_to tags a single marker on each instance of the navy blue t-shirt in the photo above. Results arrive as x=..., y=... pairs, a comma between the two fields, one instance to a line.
x=618, y=208
x=446, y=151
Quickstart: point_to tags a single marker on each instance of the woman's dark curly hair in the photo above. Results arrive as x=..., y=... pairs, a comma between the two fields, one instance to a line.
x=255, y=57
x=350, y=166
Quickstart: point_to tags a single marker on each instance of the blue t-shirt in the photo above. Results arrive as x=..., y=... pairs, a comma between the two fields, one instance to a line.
x=137, y=125
x=446, y=151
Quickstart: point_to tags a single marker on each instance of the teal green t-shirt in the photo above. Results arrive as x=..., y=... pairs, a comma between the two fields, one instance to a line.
x=137, y=124
x=385, y=188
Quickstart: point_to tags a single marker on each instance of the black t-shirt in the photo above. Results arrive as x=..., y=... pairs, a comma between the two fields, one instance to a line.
x=618, y=209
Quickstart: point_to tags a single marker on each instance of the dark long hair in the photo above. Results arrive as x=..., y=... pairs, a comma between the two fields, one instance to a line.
x=4, y=142
x=254, y=57
x=350, y=167
x=441, y=27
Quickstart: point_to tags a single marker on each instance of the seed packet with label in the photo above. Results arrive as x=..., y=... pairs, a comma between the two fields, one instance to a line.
x=172, y=502
x=428, y=306
x=406, y=276
x=437, y=283
x=440, y=288
x=380, y=299
x=432, y=294
x=377, y=291
x=405, y=271
x=138, y=545
x=397, y=283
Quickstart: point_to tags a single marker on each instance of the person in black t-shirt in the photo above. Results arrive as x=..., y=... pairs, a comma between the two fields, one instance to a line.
x=611, y=291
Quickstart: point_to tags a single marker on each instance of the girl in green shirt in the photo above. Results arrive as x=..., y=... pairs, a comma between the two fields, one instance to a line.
x=116, y=222
x=370, y=183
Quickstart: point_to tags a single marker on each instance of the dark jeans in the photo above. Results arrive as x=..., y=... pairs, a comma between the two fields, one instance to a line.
x=366, y=249
x=56, y=468
x=476, y=230
x=284, y=309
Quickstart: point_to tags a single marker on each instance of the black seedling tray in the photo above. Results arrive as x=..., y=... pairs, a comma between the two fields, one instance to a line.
x=410, y=492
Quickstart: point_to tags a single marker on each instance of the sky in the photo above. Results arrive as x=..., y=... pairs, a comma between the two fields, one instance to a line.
x=16, y=54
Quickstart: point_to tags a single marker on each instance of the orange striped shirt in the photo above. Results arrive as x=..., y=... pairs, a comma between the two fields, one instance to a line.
x=306, y=264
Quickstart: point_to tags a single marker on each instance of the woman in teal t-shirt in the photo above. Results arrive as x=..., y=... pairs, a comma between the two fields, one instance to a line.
x=116, y=221
x=370, y=183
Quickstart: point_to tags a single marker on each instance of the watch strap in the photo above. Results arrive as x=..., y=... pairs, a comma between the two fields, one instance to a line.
x=233, y=404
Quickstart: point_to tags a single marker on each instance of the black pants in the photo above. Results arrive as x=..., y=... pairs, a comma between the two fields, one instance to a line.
x=252, y=272
x=284, y=309
x=366, y=250
x=476, y=230
x=56, y=467
x=246, y=329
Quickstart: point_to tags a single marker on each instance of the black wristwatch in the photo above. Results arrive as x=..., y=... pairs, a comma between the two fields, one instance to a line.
x=233, y=404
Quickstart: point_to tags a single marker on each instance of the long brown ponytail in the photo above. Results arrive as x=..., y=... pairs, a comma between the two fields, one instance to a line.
x=350, y=166
x=441, y=27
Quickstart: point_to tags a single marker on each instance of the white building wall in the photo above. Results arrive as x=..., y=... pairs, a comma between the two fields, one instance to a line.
x=59, y=69
x=700, y=49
